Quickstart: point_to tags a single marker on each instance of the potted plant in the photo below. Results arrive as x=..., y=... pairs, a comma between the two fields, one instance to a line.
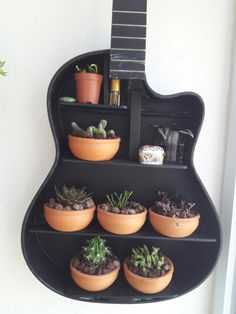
x=173, y=217
x=2, y=72
x=119, y=215
x=72, y=209
x=94, y=143
x=95, y=268
x=88, y=84
x=173, y=140
x=148, y=271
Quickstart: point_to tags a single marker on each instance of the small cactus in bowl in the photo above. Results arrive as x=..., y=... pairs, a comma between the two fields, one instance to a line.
x=95, y=267
x=148, y=270
x=120, y=215
x=98, y=132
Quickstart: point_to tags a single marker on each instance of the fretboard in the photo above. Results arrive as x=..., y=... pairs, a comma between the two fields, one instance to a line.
x=128, y=39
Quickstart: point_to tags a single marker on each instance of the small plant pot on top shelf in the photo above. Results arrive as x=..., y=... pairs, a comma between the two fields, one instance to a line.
x=121, y=216
x=71, y=210
x=173, y=218
x=148, y=271
x=88, y=84
x=95, y=268
x=94, y=143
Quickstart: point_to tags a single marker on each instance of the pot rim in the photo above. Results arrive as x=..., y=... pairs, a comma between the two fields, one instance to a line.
x=196, y=217
x=94, y=140
x=68, y=212
x=78, y=272
x=148, y=279
x=143, y=213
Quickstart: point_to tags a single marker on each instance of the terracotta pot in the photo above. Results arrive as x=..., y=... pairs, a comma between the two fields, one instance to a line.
x=68, y=220
x=146, y=284
x=88, y=87
x=93, y=282
x=92, y=149
x=173, y=227
x=121, y=223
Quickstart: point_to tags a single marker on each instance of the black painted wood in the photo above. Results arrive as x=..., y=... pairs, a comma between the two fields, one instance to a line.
x=128, y=40
x=130, y=5
x=119, y=17
x=128, y=31
x=48, y=252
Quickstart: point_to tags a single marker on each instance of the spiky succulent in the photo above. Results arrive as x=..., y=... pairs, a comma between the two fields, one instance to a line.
x=96, y=251
x=72, y=195
x=144, y=259
x=166, y=132
x=92, y=131
x=119, y=201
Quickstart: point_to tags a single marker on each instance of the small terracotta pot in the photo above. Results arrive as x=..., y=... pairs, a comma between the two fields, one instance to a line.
x=93, y=282
x=68, y=220
x=121, y=223
x=93, y=149
x=173, y=227
x=88, y=87
x=146, y=284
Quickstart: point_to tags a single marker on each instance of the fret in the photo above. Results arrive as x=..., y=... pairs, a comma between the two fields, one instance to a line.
x=128, y=37
x=137, y=12
x=128, y=25
x=130, y=5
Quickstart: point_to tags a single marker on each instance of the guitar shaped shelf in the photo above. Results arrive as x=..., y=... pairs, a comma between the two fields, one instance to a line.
x=48, y=252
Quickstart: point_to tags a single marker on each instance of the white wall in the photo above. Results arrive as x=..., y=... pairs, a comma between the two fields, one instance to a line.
x=188, y=48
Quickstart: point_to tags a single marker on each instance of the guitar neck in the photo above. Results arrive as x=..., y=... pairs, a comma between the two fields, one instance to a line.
x=128, y=39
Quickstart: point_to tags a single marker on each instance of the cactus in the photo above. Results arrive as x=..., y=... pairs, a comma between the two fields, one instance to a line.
x=96, y=252
x=92, y=131
x=2, y=72
x=143, y=258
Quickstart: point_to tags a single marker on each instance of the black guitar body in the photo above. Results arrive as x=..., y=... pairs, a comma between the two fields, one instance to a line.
x=48, y=252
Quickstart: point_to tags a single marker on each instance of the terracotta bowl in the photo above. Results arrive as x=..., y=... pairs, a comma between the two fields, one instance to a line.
x=68, y=221
x=93, y=282
x=121, y=223
x=148, y=285
x=92, y=149
x=173, y=227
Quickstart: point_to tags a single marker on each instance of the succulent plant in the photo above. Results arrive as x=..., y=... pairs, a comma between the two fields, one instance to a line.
x=3, y=73
x=166, y=132
x=71, y=196
x=91, y=68
x=174, y=207
x=96, y=252
x=92, y=131
x=119, y=201
x=142, y=258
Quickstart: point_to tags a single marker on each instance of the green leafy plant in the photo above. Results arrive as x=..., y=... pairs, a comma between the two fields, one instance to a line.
x=92, y=131
x=96, y=251
x=119, y=201
x=91, y=68
x=70, y=196
x=166, y=132
x=2, y=72
x=144, y=259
